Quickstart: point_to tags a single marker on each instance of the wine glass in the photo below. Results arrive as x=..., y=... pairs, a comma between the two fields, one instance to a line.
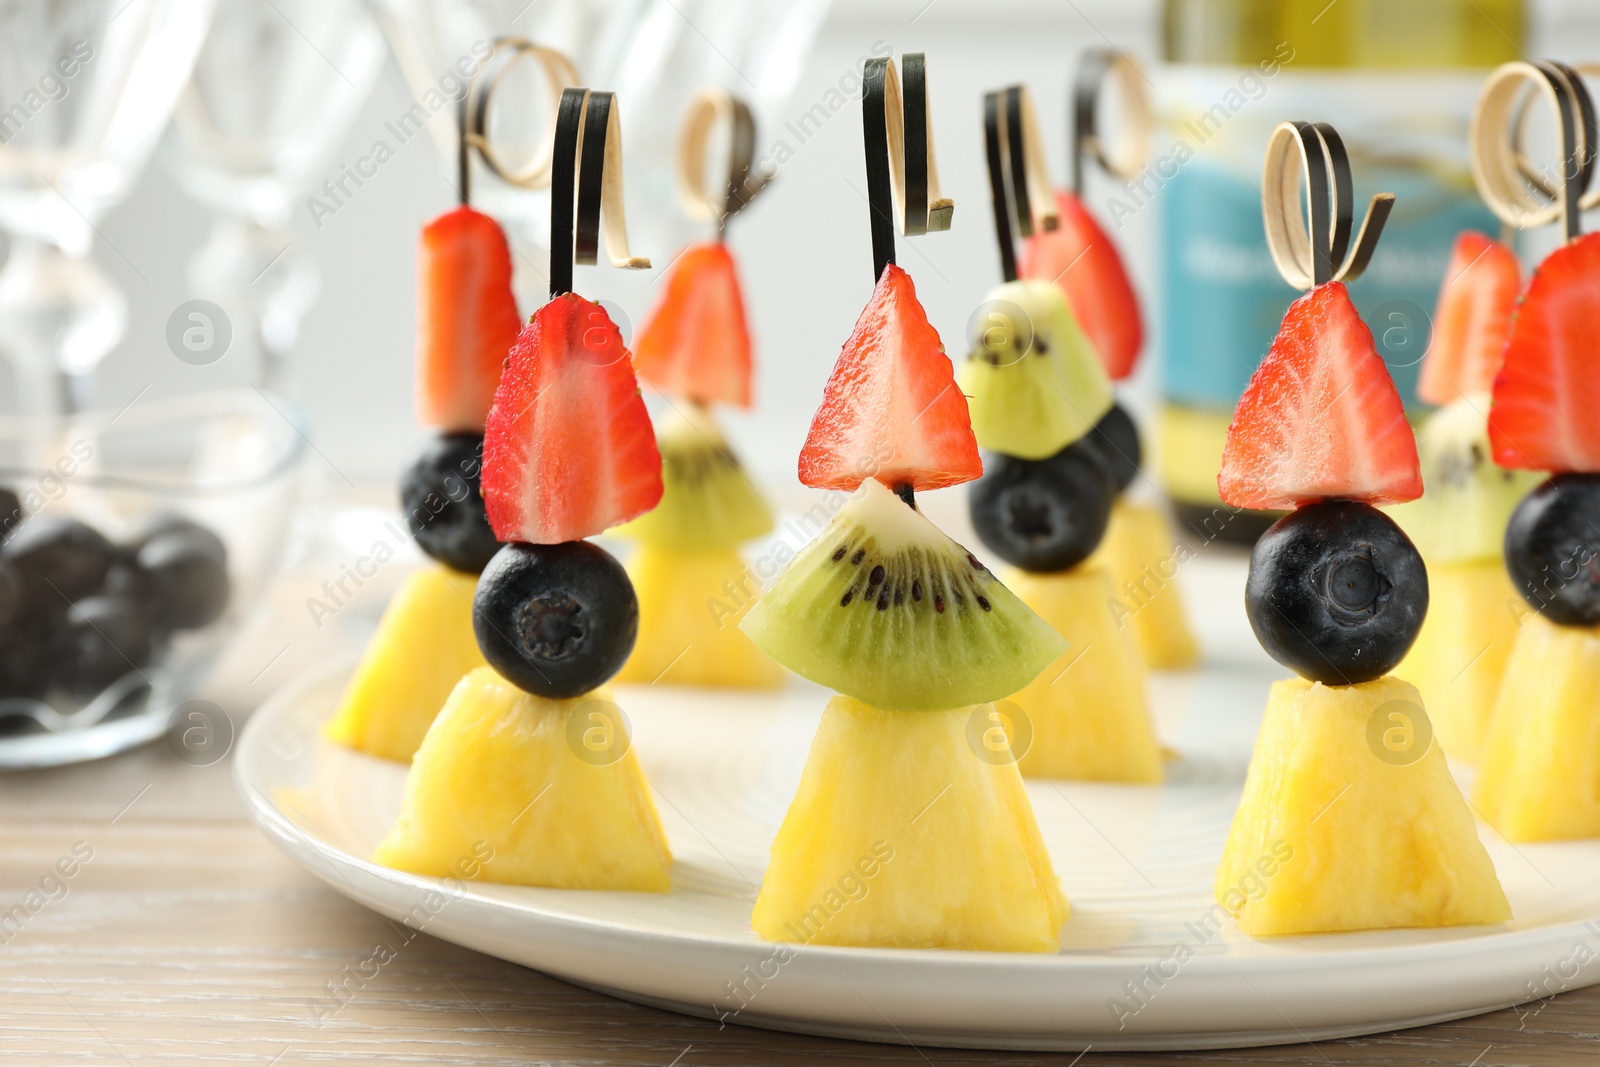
x=273, y=93
x=89, y=86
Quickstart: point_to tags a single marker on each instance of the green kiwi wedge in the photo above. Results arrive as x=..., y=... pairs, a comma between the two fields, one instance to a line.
x=1033, y=381
x=1466, y=500
x=884, y=607
x=708, y=502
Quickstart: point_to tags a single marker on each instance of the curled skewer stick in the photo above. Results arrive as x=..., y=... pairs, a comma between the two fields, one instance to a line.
x=1517, y=194
x=902, y=175
x=710, y=109
x=559, y=73
x=586, y=187
x=1019, y=184
x=1309, y=255
x=1096, y=67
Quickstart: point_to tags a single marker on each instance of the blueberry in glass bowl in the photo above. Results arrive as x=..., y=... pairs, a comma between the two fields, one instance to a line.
x=133, y=547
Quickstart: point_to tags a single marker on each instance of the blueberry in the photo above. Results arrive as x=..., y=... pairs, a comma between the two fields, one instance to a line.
x=442, y=498
x=10, y=513
x=178, y=575
x=27, y=664
x=556, y=620
x=1336, y=592
x=1553, y=549
x=1043, y=515
x=105, y=638
x=59, y=561
x=1116, y=438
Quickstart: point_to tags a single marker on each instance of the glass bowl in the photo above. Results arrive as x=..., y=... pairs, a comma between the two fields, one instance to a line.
x=139, y=544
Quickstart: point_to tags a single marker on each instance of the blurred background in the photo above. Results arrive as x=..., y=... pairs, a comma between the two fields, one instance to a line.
x=286, y=96
x=201, y=195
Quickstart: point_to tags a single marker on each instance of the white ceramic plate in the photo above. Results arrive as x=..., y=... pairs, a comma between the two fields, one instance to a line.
x=1136, y=862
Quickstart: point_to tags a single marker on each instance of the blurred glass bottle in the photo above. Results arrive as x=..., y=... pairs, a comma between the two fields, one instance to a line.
x=1397, y=79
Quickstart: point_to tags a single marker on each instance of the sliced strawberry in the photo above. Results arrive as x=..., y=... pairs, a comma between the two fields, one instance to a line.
x=1472, y=321
x=1083, y=260
x=695, y=344
x=568, y=451
x=1321, y=417
x=1546, y=410
x=891, y=409
x=466, y=318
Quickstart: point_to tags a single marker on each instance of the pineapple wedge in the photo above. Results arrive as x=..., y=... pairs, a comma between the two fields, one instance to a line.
x=1461, y=653
x=423, y=645
x=1138, y=553
x=900, y=836
x=1089, y=711
x=690, y=604
x=1349, y=823
x=1540, y=774
x=499, y=778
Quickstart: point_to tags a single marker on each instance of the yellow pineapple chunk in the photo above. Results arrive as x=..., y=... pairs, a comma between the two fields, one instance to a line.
x=1350, y=820
x=690, y=604
x=1461, y=653
x=500, y=778
x=901, y=836
x=1089, y=712
x=423, y=645
x=1141, y=552
x=1539, y=779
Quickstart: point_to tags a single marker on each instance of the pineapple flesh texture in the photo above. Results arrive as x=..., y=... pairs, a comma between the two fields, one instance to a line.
x=1359, y=840
x=1540, y=775
x=1138, y=551
x=900, y=836
x=498, y=776
x=1460, y=655
x=1089, y=710
x=423, y=645
x=690, y=604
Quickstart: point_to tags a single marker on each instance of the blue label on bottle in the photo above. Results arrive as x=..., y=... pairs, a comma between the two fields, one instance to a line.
x=1224, y=300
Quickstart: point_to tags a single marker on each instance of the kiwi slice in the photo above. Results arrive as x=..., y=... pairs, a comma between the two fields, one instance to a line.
x=708, y=502
x=1466, y=500
x=1033, y=381
x=884, y=607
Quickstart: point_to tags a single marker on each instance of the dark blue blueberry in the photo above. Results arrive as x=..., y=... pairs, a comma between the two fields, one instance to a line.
x=105, y=638
x=443, y=502
x=178, y=574
x=555, y=620
x=1043, y=515
x=58, y=560
x=1116, y=439
x=1336, y=592
x=1553, y=549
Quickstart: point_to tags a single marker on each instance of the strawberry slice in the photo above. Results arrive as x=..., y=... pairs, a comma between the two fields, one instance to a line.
x=568, y=451
x=1083, y=260
x=466, y=318
x=696, y=344
x=891, y=409
x=1472, y=321
x=1546, y=409
x=1321, y=417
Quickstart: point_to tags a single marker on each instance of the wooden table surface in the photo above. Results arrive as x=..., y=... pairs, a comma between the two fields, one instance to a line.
x=185, y=938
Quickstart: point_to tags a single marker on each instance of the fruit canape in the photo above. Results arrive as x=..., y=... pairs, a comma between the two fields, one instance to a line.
x=693, y=584
x=466, y=321
x=1037, y=391
x=1079, y=257
x=916, y=636
x=1346, y=796
x=1539, y=776
x=1459, y=523
x=528, y=766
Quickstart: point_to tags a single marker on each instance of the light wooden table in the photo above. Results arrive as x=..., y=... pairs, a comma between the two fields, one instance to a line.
x=188, y=939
